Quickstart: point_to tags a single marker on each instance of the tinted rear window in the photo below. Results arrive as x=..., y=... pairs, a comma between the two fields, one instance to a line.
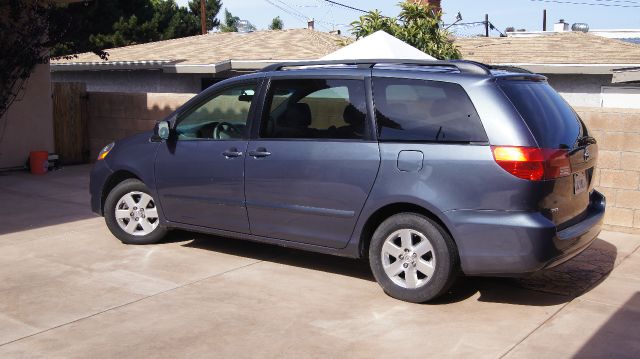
x=552, y=121
x=419, y=110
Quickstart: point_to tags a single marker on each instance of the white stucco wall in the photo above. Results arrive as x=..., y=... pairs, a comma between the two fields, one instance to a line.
x=132, y=81
x=621, y=97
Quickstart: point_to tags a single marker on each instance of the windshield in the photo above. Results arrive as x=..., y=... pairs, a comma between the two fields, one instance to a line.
x=552, y=121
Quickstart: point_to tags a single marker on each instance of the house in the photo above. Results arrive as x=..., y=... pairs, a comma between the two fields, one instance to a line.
x=191, y=64
x=627, y=35
x=587, y=69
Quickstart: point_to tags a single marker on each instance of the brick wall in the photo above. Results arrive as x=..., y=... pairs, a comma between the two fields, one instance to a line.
x=618, y=173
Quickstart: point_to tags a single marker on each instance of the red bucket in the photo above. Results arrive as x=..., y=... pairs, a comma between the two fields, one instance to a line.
x=39, y=162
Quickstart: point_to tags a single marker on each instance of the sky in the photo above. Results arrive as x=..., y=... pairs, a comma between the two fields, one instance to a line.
x=527, y=14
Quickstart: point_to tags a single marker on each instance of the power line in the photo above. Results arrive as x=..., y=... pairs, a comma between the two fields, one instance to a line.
x=292, y=8
x=493, y=27
x=295, y=13
x=297, y=16
x=588, y=3
x=468, y=25
x=619, y=1
x=345, y=6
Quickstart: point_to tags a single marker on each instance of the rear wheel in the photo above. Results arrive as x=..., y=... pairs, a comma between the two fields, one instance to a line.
x=413, y=258
x=131, y=214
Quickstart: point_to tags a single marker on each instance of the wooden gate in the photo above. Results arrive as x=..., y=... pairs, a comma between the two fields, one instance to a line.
x=70, y=122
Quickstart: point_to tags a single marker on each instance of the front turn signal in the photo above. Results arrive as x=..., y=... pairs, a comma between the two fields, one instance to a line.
x=105, y=151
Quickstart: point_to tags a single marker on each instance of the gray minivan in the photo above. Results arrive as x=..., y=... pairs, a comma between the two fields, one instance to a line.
x=427, y=169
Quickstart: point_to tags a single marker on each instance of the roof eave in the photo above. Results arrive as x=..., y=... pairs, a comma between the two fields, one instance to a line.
x=626, y=75
x=110, y=65
x=168, y=66
x=228, y=65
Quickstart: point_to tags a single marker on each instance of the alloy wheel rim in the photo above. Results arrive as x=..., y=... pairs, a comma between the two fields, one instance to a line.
x=136, y=213
x=408, y=258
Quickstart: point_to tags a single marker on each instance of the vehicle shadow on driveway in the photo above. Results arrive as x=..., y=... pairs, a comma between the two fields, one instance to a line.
x=549, y=287
x=287, y=256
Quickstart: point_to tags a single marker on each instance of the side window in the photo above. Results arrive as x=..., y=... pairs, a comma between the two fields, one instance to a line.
x=315, y=108
x=418, y=110
x=223, y=116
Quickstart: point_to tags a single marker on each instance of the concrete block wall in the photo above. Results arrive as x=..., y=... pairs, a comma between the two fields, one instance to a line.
x=114, y=115
x=618, y=172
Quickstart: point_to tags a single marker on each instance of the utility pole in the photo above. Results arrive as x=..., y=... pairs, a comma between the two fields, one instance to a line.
x=203, y=17
x=544, y=20
x=486, y=25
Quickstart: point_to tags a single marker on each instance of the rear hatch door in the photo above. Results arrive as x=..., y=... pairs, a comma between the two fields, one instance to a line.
x=555, y=125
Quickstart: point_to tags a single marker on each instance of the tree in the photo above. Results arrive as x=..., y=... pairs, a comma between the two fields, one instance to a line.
x=35, y=30
x=276, y=24
x=417, y=24
x=213, y=8
x=88, y=19
x=230, y=23
x=29, y=29
x=114, y=23
x=182, y=24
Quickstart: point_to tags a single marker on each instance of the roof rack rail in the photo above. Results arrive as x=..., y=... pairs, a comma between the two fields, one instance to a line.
x=464, y=66
x=509, y=68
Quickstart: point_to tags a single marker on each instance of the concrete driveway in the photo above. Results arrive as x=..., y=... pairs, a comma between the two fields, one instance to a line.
x=70, y=289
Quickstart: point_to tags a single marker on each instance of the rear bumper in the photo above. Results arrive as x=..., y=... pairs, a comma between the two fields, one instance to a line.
x=512, y=243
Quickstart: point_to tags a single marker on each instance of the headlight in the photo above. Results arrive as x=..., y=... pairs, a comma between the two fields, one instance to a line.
x=105, y=151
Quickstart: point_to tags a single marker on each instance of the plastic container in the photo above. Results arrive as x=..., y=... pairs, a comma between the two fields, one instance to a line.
x=39, y=162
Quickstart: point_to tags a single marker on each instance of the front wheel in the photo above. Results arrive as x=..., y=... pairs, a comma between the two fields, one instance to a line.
x=413, y=258
x=131, y=214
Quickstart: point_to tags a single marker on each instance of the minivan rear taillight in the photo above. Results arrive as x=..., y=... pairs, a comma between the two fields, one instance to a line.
x=533, y=163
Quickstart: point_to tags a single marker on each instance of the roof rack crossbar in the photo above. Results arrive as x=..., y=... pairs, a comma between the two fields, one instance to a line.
x=468, y=67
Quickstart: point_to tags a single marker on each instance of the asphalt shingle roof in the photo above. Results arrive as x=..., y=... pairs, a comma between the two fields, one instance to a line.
x=303, y=44
x=295, y=44
x=556, y=48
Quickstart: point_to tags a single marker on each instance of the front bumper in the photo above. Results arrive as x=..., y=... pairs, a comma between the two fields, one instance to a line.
x=99, y=175
x=512, y=243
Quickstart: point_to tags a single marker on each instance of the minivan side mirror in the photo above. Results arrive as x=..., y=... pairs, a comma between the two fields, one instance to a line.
x=161, y=131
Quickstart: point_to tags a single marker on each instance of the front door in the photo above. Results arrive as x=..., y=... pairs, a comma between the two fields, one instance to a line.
x=309, y=172
x=200, y=171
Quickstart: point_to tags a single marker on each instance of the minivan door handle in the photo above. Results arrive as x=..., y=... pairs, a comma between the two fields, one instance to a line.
x=259, y=152
x=232, y=153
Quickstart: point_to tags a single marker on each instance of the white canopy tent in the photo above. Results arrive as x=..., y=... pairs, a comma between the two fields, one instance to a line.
x=378, y=45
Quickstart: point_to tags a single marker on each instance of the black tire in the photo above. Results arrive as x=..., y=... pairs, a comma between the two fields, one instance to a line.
x=110, y=204
x=443, y=249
